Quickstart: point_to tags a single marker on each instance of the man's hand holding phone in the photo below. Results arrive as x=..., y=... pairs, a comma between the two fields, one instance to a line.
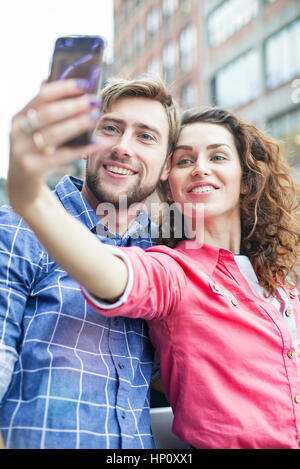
x=55, y=127
x=61, y=111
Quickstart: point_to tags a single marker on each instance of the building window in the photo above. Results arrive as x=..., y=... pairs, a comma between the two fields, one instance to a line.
x=126, y=52
x=239, y=82
x=228, y=18
x=153, y=22
x=287, y=128
x=169, y=6
x=170, y=60
x=139, y=39
x=188, y=42
x=185, y=6
x=126, y=9
x=285, y=125
x=154, y=66
x=282, y=58
x=188, y=96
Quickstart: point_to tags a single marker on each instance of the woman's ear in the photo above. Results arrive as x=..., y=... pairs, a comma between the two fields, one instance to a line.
x=164, y=183
x=244, y=188
x=168, y=192
x=167, y=168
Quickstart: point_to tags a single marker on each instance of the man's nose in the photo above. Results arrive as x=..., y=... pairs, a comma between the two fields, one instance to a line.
x=123, y=147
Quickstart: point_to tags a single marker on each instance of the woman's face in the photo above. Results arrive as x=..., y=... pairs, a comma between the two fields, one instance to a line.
x=206, y=170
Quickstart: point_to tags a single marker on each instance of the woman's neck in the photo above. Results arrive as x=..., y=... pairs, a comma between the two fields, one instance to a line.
x=224, y=234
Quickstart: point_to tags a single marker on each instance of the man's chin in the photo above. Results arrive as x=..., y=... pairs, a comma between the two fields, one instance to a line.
x=119, y=199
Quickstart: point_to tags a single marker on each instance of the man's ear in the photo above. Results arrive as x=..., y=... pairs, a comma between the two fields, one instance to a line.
x=84, y=156
x=167, y=168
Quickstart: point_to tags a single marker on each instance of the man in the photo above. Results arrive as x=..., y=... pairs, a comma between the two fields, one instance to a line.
x=70, y=378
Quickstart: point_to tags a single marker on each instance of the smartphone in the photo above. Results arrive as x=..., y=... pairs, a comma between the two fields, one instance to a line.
x=78, y=57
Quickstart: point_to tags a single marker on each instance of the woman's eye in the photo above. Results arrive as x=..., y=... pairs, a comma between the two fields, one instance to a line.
x=219, y=157
x=184, y=161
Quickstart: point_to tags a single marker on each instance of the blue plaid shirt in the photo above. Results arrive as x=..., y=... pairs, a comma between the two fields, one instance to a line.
x=69, y=378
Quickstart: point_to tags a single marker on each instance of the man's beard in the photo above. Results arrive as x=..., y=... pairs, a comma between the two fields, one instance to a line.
x=136, y=194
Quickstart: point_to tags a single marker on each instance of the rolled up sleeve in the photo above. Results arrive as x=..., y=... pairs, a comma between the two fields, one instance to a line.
x=156, y=284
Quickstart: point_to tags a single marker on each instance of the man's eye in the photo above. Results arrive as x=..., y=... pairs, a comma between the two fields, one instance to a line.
x=147, y=137
x=109, y=128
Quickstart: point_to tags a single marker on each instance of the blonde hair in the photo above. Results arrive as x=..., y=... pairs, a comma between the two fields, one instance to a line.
x=146, y=86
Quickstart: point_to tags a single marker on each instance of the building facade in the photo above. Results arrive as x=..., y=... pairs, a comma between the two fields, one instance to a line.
x=239, y=54
x=252, y=64
x=163, y=37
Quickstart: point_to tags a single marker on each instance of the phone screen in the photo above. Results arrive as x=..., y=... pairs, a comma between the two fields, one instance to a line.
x=78, y=57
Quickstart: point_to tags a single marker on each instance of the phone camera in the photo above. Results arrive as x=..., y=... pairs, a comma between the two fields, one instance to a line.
x=68, y=42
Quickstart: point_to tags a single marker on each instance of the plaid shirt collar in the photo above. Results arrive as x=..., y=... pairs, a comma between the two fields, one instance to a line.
x=69, y=193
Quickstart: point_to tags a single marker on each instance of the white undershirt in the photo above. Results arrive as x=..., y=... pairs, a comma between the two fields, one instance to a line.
x=248, y=272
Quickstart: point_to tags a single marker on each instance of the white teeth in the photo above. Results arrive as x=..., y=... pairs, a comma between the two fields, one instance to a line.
x=117, y=170
x=203, y=189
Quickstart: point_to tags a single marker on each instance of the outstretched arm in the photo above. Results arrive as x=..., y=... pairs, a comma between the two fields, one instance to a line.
x=61, y=112
x=75, y=248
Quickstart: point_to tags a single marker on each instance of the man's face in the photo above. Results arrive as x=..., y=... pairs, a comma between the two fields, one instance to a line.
x=130, y=157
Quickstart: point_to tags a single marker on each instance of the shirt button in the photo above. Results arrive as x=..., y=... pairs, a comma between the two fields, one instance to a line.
x=297, y=399
x=121, y=366
x=291, y=353
x=288, y=312
x=216, y=287
x=234, y=301
x=123, y=415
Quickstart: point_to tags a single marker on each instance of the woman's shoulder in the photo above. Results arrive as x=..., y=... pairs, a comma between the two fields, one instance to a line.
x=187, y=250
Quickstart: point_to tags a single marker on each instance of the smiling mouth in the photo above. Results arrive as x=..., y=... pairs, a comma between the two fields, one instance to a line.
x=118, y=170
x=203, y=189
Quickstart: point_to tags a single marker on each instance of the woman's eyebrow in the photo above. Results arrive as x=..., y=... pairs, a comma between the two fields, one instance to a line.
x=217, y=145
x=209, y=147
x=183, y=147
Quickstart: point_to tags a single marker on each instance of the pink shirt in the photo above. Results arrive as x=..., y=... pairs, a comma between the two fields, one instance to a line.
x=227, y=359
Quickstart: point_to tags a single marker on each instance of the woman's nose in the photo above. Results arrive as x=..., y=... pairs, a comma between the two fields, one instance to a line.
x=201, y=167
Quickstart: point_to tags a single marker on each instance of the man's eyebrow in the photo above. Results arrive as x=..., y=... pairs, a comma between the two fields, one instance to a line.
x=138, y=125
x=141, y=125
x=112, y=119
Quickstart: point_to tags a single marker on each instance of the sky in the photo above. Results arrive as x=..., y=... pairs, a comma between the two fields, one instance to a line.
x=28, y=29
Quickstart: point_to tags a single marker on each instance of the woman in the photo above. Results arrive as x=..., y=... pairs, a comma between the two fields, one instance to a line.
x=224, y=315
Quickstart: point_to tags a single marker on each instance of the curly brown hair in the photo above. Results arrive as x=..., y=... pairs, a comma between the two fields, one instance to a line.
x=269, y=201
